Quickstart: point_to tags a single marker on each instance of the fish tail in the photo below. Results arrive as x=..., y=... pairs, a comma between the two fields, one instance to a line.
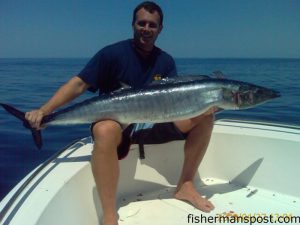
x=36, y=134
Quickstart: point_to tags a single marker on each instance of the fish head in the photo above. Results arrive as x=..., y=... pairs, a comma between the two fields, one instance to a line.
x=248, y=95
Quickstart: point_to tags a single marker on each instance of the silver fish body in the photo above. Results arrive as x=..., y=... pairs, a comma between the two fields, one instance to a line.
x=164, y=102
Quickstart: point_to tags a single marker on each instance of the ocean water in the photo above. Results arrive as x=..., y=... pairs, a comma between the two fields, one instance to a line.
x=28, y=83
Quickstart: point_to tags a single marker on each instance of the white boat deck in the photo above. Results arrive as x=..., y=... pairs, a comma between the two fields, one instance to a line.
x=160, y=208
x=248, y=170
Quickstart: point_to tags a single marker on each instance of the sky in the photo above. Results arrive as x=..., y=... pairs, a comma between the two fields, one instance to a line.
x=192, y=28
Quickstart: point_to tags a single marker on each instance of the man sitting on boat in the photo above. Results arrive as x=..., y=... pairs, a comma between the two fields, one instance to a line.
x=135, y=62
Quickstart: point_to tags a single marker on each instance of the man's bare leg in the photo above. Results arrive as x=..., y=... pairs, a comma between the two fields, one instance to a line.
x=105, y=167
x=199, y=129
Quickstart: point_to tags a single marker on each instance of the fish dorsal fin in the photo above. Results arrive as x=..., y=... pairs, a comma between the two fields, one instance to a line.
x=179, y=79
x=218, y=74
x=188, y=78
x=166, y=80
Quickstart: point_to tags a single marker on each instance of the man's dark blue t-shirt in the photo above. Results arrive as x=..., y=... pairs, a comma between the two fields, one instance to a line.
x=120, y=63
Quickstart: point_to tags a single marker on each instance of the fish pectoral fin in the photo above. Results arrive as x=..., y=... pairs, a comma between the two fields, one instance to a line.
x=123, y=87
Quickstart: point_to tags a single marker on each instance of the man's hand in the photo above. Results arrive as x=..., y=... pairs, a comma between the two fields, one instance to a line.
x=35, y=117
x=70, y=90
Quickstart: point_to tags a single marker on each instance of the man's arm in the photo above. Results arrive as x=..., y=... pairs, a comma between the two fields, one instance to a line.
x=66, y=93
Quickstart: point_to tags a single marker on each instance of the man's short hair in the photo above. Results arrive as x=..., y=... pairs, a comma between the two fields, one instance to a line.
x=150, y=7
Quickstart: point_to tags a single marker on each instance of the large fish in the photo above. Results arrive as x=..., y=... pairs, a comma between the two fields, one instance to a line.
x=163, y=101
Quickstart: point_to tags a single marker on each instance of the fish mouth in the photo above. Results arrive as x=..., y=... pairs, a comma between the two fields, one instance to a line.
x=273, y=94
x=277, y=94
x=268, y=93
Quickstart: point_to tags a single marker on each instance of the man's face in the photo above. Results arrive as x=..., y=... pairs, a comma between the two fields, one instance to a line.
x=146, y=28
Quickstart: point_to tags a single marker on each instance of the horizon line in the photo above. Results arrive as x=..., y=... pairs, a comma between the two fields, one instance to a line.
x=175, y=57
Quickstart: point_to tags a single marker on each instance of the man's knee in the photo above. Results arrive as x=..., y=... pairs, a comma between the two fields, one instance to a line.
x=205, y=121
x=107, y=132
x=187, y=125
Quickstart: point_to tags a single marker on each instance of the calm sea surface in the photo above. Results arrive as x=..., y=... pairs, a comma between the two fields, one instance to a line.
x=28, y=83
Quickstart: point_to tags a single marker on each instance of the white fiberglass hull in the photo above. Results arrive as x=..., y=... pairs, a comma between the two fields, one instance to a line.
x=249, y=169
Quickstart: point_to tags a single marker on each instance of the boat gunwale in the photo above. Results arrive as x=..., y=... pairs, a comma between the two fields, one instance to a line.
x=259, y=125
x=258, y=122
x=34, y=174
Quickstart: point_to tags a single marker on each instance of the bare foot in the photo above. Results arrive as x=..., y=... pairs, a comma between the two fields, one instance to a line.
x=187, y=192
